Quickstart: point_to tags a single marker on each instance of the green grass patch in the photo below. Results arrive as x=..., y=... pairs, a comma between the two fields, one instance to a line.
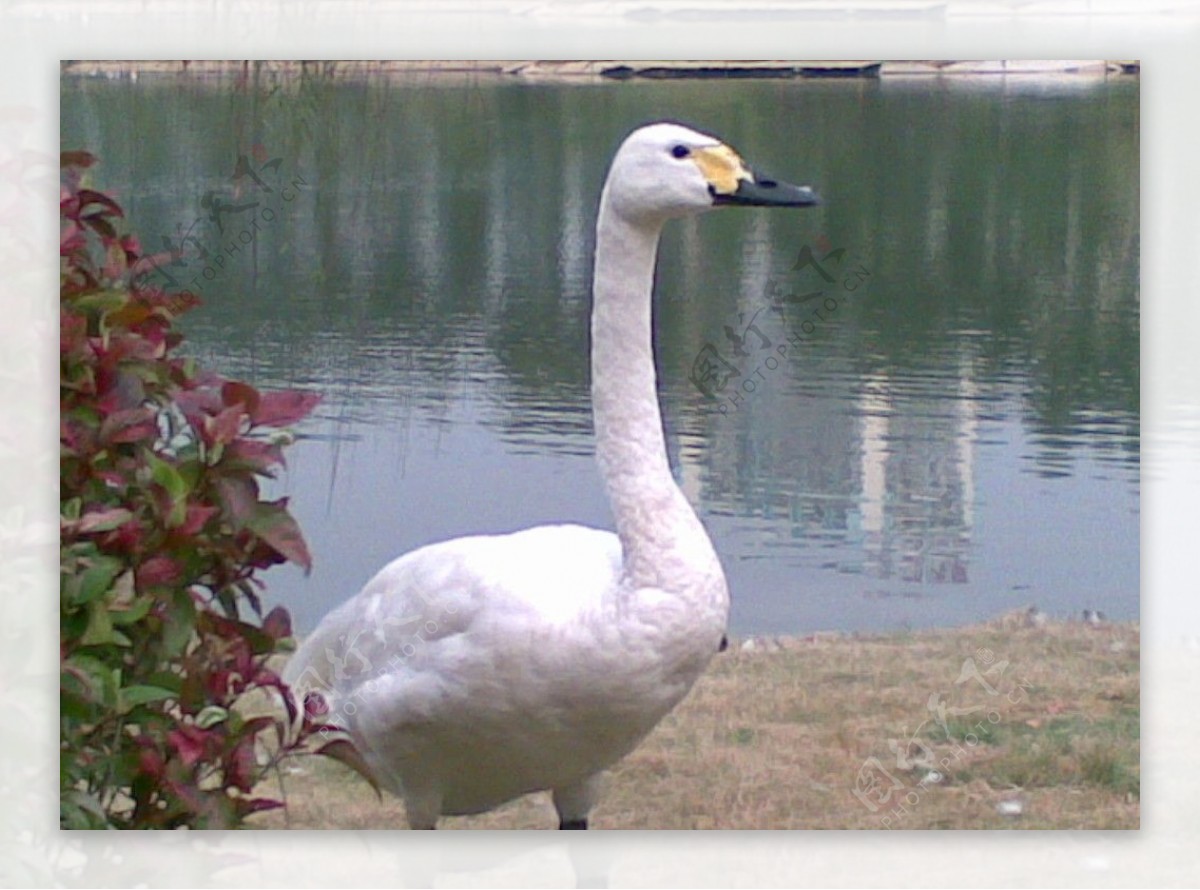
x=743, y=735
x=1070, y=750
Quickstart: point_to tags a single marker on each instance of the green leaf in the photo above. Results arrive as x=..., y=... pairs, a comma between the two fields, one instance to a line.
x=175, y=485
x=190, y=471
x=135, y=613
x=211, y=716
x=71, y=509
x=103, y=520
x=105, y=685
x=132, y=696
x=166, y=680
x=179, y=624
x=95, y=674
x=261, y=643
x=100, y=301
x=73, y=705
x=78, y=809
x=96, y=580
x=99, y=627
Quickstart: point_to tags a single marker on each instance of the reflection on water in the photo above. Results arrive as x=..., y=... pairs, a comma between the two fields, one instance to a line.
x=916, y=404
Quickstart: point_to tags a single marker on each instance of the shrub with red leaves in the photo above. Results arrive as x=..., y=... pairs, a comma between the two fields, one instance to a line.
x=164, y=646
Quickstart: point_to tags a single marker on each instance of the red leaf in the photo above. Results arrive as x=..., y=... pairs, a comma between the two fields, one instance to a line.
x=257, y=805
x=83, y=159
x=241, y=764
x=123, y=390
x=189, y=742
x=129, y=537
x=196, y=518
x=129, y=425
x=218, y=684
x=196, y=404
x=87, y=197
x=101, y=226
x=257, y=455
x=71, y=239
x=150, y=762
x=103, y=520
x=278, y=623
x=72, y=333
x=132, y=247
x=157, y=571
x=239, y=497
x=273, y=524
x=225, y=426
x=289, y=701
x=284, y=407
x=237, y=393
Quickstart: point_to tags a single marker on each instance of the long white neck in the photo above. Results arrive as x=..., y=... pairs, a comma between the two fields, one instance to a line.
x=664, y=544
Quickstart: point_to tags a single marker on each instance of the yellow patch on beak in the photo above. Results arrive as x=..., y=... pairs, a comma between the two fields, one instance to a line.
x=722, y=168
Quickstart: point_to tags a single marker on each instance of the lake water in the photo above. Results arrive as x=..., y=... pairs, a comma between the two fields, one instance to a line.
x=952, y=430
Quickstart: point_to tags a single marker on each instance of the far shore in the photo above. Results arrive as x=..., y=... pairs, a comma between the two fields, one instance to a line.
x=614, y=70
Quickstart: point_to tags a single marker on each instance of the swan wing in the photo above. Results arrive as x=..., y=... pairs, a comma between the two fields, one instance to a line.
x=457, y=634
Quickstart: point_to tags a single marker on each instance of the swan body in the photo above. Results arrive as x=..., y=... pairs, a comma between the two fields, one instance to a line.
x=476, y=670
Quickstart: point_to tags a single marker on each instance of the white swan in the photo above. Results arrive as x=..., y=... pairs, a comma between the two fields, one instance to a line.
x=477, y=670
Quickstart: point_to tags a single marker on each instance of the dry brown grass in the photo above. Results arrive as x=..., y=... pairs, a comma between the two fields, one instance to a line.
x=779, y=736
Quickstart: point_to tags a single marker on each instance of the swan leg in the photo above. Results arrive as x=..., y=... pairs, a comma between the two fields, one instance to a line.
x=423, y=810
x=575, y=801
x=422, y=823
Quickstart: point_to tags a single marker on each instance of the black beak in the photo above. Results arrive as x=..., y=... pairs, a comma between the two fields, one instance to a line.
x=762, y=191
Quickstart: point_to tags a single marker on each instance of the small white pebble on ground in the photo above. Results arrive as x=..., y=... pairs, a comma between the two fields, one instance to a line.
x=1010, y=808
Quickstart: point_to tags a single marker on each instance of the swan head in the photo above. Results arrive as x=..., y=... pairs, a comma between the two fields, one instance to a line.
x=663, y=171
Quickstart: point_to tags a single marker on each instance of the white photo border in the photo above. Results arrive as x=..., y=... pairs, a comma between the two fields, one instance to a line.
x=36, y=36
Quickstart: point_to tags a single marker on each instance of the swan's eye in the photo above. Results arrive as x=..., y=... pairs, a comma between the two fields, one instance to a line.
x=680, y=151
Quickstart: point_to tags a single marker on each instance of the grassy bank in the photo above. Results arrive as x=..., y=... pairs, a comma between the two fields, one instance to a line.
x=1012, y=724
